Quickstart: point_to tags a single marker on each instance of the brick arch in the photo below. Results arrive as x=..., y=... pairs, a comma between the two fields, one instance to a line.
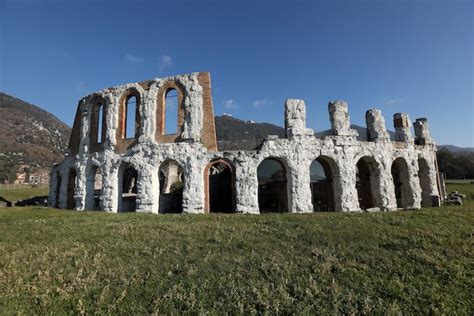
x=401, y=181
x=123, y=140
x=368, y=182
x=160, y=135
x=171, y=195
x=207, y=185
x=93, y=192
x=328, y=188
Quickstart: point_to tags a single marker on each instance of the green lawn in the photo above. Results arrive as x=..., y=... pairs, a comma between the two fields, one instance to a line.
x=22, y=193
x=416, y=262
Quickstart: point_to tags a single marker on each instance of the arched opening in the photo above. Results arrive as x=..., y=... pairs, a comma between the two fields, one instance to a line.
x=401, y=183
x=128, y=188
x=322, y=184
x=94, y=188
x=71, y=189
x=171, y=178
x=368, y=183
x=130, y=117
x=97, y=124
x=171, y=112
x=220, y=187
x=272, y=186
x=425, y=182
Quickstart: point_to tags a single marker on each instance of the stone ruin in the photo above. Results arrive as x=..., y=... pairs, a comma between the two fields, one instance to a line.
x=155, y=171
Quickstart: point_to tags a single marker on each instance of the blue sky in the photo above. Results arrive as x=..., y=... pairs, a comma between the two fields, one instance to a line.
x=398, y=56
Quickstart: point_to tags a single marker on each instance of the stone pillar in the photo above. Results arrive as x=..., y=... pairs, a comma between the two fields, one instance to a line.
x=402, y=125
x=246, y=186
x=376, y=130
x=345, y=190
x=299, y=186
x=110, y=194
x=147, y=189
x=295, y=118
x=193, y=190
x=193, y=108
x=422, y=132
x=388, y=199
x=85, y=126
x=340, y=120
x=80, y=190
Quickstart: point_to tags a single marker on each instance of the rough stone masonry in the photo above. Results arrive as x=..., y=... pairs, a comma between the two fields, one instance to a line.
x=120, y=137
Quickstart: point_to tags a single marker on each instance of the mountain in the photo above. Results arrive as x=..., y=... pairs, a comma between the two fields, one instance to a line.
x=29, y=135
x=456, y=149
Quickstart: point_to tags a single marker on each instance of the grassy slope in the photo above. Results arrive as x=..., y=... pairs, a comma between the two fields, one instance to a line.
x=57, y=261
x=22, y=193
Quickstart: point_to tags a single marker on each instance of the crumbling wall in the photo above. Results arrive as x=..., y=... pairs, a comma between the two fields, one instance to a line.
x=193, y=147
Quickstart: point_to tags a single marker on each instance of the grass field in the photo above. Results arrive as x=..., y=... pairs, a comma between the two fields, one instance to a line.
x=57, y=261
x=22, y=193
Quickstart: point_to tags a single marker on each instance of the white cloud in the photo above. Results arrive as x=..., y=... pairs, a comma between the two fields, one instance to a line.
x=394, y=101
x=261, y=103
x=230, y=104
x=132, y=59
x=165, y=62
x=59, y=53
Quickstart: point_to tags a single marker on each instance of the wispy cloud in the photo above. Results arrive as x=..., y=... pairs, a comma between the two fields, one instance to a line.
x=394, y=101
x=80, y=87
x=59, y=53
x=230, y=104
x=165, y=62
x=258, y=104
x=132, y=59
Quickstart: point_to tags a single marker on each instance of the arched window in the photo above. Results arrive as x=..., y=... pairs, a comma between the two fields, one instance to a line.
x=322, y=184
x=272, y=186
x=401, y=183
x=220, y=187
x=171, y=179
x=171, y=112
x=131, y=108
x=368, y=183
x=97, y=124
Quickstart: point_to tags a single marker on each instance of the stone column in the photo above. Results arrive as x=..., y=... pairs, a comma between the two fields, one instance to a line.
x=193, y=190
x=295, y=118
x=422, y=132
x=193, y=107
x=85, y=126
x=387, y=188
x=80, y=188
x=345, y=187
x=340, y=120
x=299, y=185
x=147, y=189
x=376, y=130
x=110, y=194
x=414, y=182
x=402, y=124
x=246, y=186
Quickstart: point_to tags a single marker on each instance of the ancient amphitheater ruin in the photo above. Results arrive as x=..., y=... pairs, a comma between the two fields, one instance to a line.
x=151, y=170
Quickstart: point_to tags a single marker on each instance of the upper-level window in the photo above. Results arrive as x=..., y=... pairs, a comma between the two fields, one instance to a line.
x=130, y=129
x=171, y=112
x=97, y=123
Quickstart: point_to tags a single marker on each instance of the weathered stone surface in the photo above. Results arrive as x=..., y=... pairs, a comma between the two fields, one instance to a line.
x=73, y=178
x=376, y=130
x=422, y=131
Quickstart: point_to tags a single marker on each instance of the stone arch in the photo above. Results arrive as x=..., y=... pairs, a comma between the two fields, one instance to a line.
x=171, y=178
x=219, y=180
x=161, y=136
x=273, y=186
x=368, y=183
x=93, y=188
x=323, y=171
x=97, y=129
x=127, y=188
x=71, y=189
x=125, y=103
x=401, y=182
x=425, y=182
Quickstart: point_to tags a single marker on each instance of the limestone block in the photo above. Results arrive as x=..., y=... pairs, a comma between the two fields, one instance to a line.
x=376, y=130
